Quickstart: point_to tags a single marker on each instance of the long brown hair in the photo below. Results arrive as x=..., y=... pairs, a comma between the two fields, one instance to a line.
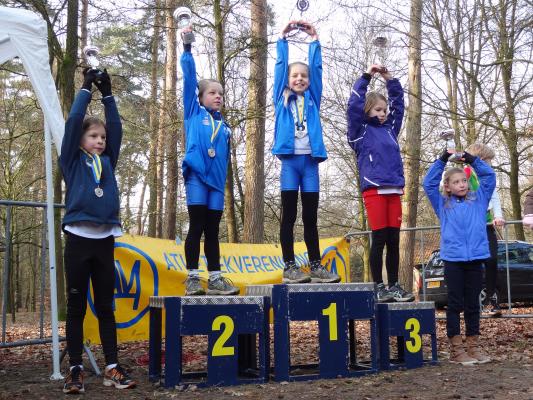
x=371, y=99
x=446, y=179
x=287, y=91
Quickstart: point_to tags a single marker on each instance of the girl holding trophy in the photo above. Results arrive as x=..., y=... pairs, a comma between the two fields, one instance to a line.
x=298, y=143
x=204, y=170
x=373, y=135
x=89, y=156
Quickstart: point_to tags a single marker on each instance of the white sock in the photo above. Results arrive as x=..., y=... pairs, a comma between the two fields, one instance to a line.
x=214, y=274
x=194, y=272
x=110, y=366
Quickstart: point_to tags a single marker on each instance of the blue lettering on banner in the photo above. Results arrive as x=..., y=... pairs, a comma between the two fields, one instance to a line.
x=256, y=261
x=227, y=262
x=177, y=262
x=170, y=265
x=248, y=264
x=333, y=265
x=266, y=265
x=132, y=287
x=123, y=287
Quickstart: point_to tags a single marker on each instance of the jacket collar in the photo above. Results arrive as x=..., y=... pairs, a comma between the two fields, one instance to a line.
x=217, y=115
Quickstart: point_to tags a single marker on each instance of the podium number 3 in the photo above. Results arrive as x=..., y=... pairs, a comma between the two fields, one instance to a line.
x=219, y=348
x=412, y=325
x=331, y=313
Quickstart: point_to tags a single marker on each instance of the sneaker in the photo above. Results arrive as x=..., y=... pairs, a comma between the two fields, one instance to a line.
x=193, y=286
x=221, y=285
x=319, y=274
x=294, y=274
x=383, y=294
x=74, y=381
x=399, y=294
x=118, y=378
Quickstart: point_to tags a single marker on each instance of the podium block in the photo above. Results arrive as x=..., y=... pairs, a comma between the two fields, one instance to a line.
x=408, y=322
x=223, y=319
x=335, y=307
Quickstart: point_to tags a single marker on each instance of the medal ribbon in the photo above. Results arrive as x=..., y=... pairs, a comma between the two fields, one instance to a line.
x=298, y=111
x=96, y=165
x=214, y=130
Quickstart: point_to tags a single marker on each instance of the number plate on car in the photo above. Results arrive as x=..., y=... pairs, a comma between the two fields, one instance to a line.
x=433, y=284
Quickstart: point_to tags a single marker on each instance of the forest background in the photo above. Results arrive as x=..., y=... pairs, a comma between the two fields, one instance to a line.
x=464, y=65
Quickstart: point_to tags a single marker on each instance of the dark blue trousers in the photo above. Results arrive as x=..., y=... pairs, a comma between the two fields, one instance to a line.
x=464, y=281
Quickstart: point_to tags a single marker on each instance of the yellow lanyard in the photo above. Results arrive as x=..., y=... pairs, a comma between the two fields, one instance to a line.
x=215, y=131
x=96, y=165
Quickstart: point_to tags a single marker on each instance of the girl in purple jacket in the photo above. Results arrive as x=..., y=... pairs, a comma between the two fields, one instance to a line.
x=373, y=134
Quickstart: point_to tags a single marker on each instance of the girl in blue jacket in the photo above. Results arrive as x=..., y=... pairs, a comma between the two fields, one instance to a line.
x=89, y=156
x=299, y=145
x=463, y=247
x=204, y=172
x=373, y=134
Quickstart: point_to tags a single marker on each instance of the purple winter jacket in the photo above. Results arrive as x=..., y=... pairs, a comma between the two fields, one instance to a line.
x=378, y=153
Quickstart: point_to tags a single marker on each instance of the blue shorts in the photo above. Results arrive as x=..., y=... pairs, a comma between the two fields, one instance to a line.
x=199, y=194
x=299, y=171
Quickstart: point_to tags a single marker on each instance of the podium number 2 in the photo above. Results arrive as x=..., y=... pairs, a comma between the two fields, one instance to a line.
x=218, y=348
x=331, y=313
x=412, y=325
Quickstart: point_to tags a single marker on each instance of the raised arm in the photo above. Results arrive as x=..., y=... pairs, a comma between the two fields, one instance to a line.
x=396, y=105
x=191, y=105
x=281, y=69
x=315, y=71
x=73, y=128
x=355, y=112
x=485, y=174
x=431, y=185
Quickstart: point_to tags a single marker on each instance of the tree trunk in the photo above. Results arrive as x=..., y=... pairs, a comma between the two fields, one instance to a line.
x=154, y=128
x=254, y=216
x=171, y=121
x=161, y=162
x=412, y=145
x=139, y=221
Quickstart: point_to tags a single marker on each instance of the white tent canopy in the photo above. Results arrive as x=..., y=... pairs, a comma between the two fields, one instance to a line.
x=23, y=34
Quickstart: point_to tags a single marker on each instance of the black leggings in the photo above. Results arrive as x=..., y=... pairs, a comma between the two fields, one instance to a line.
x=491, y=263
x=389, y=237
x=289, y=209
x=90, y=259
x=203, y=220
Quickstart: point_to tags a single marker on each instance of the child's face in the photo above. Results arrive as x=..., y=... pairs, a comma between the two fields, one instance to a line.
x=298, y=79
x=93, y=140
x=213, y=96
x=457, y=184
x=379, y=110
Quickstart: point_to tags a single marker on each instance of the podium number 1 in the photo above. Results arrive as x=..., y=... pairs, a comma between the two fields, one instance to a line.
x=331, y=313
x=219, y=348
x=412, y=325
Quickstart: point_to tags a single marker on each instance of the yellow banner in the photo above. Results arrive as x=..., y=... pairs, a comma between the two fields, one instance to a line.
x=147, y=267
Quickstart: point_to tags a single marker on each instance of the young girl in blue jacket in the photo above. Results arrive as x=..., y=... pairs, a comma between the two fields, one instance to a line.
x=463, y=247
x=89, y=156
x=374, y=136
x=204, y=172
x=299, y=145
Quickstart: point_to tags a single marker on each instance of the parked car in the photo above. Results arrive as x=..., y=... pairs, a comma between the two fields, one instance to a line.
x=520, y=273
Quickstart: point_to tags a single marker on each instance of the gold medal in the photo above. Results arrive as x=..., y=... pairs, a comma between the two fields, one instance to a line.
x=211, y=152
x=98, y=192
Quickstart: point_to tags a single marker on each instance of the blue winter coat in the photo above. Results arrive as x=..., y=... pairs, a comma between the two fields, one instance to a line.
x=285, y=125
x=463, y=221
x=378, y=153
x=211, y=170
x=81, y=202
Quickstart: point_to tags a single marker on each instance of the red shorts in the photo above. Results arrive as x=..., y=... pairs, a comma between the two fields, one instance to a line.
x=383, y=210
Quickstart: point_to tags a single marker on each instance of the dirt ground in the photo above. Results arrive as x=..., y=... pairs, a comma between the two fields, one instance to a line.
x=24, y=372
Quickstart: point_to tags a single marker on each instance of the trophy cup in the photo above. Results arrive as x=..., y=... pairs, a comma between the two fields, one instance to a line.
x=380, y=44
x=183, y=17
x=448, y=135
x=91, y=53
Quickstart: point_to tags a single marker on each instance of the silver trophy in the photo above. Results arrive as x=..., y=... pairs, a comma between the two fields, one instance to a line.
x=183, y=17
x=91, y=53
x=380, y=44
x=449, y=135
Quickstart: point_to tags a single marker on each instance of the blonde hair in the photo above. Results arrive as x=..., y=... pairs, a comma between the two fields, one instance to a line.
x=287, y=91
x=481, y=150
x=446, y=179
x=203, y=85
x=371, y=99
